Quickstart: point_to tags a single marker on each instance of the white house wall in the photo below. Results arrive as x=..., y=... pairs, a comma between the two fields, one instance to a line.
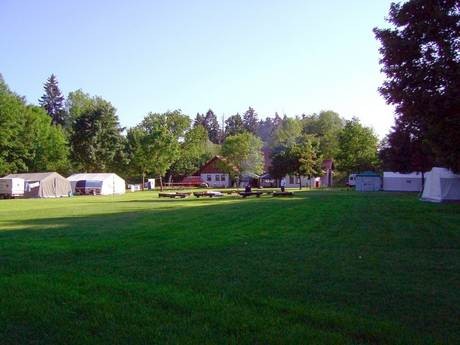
x=215, y=180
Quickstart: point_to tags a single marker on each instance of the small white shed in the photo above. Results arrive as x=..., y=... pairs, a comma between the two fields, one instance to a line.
x=441, y=184
x=111, y=183
x=397, y=182
x=368, y=181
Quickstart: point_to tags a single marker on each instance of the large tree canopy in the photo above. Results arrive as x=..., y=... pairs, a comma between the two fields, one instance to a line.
x=96, y=138
x=421, y=60
x=244, y=151
x=357, y=148
x=28, y=140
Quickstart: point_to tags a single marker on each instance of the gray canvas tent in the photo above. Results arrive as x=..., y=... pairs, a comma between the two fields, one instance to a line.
x=44, y=185
x=368, y=181
x=397, y=182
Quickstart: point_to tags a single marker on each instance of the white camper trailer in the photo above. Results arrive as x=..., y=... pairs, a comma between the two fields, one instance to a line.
x=11, y=187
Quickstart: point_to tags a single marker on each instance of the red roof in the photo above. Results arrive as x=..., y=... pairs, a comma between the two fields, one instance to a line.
x=214, y=166
x=328, y=164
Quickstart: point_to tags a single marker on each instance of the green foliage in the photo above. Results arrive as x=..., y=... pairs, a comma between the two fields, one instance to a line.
x=156, y=141
x=96, y=137
x=421, y=60
x=12, y=150
x=210, y=122
x=300, y=159
x=287, y=133
x=28, y=141
x=47, y=146
x=195, y=150
x=326, y=126
x=244, y=151
x=250, y=121
x=234, y=125
x=53, y=101
x=357, y=148
x=77, y=102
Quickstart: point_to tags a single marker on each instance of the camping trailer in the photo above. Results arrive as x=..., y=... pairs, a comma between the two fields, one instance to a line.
x=11, y=187
x=397, y=182
x=441, y=185
x=43, y=185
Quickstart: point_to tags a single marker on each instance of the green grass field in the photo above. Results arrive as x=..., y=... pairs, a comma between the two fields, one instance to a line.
x=323, y=267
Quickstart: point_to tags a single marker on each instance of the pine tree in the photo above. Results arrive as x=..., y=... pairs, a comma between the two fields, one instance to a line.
x=53, y=101
x=250, y=120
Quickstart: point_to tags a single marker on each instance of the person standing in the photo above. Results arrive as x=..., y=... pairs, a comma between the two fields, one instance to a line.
x=283, y=184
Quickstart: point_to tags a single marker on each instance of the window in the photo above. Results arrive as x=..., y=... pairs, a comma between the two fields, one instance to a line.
x=208, y=178
x=222, y=177
x=217, y=178
x=291, y=180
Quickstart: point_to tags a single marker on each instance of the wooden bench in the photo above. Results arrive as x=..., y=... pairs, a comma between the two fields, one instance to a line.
x=283, y=194
x=246, y=194
x=173, y=195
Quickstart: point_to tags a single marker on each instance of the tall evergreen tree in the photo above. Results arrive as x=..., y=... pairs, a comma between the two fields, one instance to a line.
x=53, y=101
x=234, y=125
x=250, y=121
x=210, y=122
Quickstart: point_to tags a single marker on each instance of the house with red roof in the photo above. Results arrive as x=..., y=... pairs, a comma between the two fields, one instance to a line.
x=216, y=172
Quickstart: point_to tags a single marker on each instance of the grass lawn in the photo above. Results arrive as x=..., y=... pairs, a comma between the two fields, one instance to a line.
x=323, y=267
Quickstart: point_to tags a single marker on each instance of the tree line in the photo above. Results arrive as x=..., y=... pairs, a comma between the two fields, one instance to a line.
x=83, y=133
x=419, y=55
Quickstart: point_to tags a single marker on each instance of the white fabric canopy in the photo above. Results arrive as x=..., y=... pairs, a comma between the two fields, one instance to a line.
x=441, y=185
x=111, y=183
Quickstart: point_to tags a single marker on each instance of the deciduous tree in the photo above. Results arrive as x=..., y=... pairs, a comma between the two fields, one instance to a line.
x=244, y=151
x=96, y=137
x=420, y=55
x=357, y=148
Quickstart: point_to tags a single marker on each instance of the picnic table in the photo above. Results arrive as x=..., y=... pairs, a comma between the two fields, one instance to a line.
x=283, y=194
x=208, y=194
x=246, y=194
x=174, y=195
x=230, y=191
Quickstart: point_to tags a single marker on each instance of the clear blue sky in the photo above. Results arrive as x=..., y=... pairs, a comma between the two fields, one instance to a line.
x=291, y=56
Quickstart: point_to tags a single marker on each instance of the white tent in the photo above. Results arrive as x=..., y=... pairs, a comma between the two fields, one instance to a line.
x=441, y=184
x=111, y=183
x=396, y=182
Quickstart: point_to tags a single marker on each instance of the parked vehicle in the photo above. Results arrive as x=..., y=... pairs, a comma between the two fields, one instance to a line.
x=11, y=187
x=351, y=180
x=88, y=187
